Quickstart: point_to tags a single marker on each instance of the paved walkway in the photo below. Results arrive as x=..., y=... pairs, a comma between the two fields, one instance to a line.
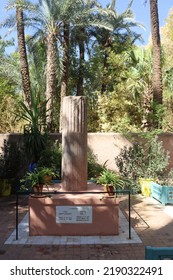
x=152, y=222
x=121, y=238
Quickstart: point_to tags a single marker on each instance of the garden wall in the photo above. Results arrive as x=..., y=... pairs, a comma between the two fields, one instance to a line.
x=106, y=146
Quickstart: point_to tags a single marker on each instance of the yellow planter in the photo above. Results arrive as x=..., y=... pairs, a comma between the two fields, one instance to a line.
x=5, y=187
x=146, y=186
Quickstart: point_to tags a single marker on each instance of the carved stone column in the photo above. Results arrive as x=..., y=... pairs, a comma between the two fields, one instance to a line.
x=74, y=144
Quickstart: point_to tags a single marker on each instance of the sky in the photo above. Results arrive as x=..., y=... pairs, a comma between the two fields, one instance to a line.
x=141, y=13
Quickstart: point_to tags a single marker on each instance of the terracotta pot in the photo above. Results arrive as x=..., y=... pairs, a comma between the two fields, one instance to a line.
x=48, y=179
x=109, y=189
x=38, y=188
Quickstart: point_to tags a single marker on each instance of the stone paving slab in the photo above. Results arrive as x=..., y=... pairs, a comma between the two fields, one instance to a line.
x=122, y=238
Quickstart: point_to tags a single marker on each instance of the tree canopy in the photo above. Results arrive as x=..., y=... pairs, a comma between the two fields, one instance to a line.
x=77, y=47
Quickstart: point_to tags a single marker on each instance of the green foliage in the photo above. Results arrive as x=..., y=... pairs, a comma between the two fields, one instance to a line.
x=130, y=161
x=107, y=177
x=34, y=141
x=94, y=168
x=9, y=99
x=31, y=179
x=38, y=176
x=167, y=39
x=119, y=109
x=51, y=157
x=10, y=74
x=11, y=160
x=119, y=182
x=148, y=159
x=35, y=133
x=9, y=105
x=157, y=158
x=167, y=180
x=111, y=56
x=130, y=184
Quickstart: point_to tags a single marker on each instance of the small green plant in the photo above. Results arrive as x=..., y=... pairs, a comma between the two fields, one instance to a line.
x=107, y=178
x=37, y=177
x=31, y=179
x=148, y=160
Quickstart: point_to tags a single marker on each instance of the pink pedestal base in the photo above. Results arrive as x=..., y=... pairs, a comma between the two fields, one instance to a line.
x=46, y=214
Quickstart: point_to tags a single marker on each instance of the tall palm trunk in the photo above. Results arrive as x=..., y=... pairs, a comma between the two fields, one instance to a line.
x=64, y=81
x=106, y=45
x=104, y=74
x=50, y=78
x=157, y=68
x=147, y=109
x=23, y=56
x=81, y=64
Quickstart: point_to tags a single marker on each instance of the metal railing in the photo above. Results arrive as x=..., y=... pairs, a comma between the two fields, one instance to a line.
x=49, y=194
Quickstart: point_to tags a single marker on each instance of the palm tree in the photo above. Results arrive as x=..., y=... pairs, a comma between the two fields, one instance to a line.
x=43, y=18
x=89, y=14
x=20, y=5
x=37, y=65
x=139, y=83
x=121, y=32
x=52, y=22
x=47, y=25
x=157, y=67
x=24, y=68
x=65, y=70
x=82, y=14
x=82, y=36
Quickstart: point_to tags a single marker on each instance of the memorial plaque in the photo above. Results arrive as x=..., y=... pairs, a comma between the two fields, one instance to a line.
x=73, y=214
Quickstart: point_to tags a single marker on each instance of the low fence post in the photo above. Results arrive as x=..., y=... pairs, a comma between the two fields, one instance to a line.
x=17, y=214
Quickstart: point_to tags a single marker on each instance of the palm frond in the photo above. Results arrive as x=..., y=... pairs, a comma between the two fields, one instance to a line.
x=9, y=22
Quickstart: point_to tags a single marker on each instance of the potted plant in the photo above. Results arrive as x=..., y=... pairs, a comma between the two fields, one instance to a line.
x=108, y=179
x=34, y=181
x=143, y=163
x=162, y=190
x=156, y=163
x=48, y=173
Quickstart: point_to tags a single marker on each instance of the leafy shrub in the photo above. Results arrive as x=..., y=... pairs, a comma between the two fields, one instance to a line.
x=130, y=161
x=167, y=180
x=157, y=159
x=51, y=157
x=11, y=160
x=143, y=160
x=94, y=168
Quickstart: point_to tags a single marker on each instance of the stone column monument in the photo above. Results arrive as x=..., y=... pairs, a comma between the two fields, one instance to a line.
x=74, y=214
x=74, y=144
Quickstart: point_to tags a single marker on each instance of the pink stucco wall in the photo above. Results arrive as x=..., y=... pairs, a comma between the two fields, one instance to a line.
x=106, y=146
